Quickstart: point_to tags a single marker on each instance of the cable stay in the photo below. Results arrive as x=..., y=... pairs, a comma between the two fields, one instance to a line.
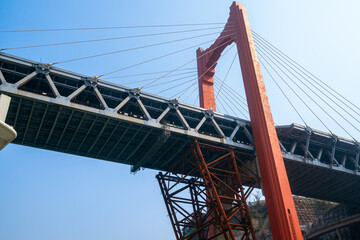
x=309, y=74
x=132, y=49
x=230, y=89
x=106, y=39
x=190, y=94
x=298, y=74
x=108, y=28
x=153, y=73
x=228, y=99
x=259, y=52
x=312, y=92
x=156, y=58
x=149, y=79
x=176, y=80
x=223, y=109
x=301, y=99
x=197, y=79
x=234, y=95
x=226, y=42
x=281, y=90
x=227, y=73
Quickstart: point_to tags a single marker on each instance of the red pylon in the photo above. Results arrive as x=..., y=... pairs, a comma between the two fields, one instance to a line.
x=282, y=214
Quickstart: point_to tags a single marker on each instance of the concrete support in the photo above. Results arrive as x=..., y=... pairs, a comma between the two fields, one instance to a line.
x=7, y=133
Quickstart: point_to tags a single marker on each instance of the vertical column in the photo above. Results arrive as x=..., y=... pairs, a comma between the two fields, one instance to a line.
x=4, y=106
x=7, y=133
x=280, y=204
x=205, y=81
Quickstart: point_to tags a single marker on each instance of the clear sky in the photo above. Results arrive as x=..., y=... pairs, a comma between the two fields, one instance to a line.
x=48, y=195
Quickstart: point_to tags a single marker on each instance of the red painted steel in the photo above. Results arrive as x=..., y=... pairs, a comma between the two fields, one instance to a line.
x=282, y=214
x=202, y=193
x=205, y=81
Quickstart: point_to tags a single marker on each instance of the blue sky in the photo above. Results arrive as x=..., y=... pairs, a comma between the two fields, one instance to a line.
x=49, y=195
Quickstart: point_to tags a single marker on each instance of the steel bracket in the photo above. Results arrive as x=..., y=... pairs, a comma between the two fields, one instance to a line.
x=209, y=113
x=174, y=103
x=134, y=93
x=90, y=81
x=43, y=68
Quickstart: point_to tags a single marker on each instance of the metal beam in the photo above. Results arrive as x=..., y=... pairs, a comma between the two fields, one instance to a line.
x=249, y=136
x=28, y=122
x=149, y=153
x=200, y=124
x=108, y=139
x=217, y=128
x=165, y=152
x=76, y=130
x=117, y=142
x=98, y=136
x=52, y=85
x=100, y=97
x=2, y=78
x=143, y=109
x=76, y=92
x=139, y=145
x=162, y=115
x=17, y=112
x=236, y=129
x=175, y=154
x=182, y=119
x=41, y=123
x=65, y=128
x=53, y=126
x=123, y=102
x=25, y=79
x=130, y=141
x=306, y=151
x=87, y=133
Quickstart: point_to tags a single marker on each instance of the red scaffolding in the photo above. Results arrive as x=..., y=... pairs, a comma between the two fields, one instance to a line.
x=206, y=199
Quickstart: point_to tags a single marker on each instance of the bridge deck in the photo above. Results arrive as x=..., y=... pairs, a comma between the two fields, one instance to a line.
x=67, y=112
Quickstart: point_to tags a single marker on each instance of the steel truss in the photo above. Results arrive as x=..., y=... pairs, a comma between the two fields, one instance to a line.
x=207, y=199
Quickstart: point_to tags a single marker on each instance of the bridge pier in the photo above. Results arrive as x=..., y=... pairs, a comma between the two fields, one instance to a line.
x=7, y=133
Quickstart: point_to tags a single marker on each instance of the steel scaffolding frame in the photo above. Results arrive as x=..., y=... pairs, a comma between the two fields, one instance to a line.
x=208, y=199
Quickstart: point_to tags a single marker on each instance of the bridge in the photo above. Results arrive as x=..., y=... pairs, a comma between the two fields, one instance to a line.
x=58, y=110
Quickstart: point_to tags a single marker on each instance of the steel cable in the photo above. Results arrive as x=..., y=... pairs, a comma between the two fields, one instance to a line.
x=226, y=42
x=156, y=58
x=233, y=96
x=107, y=28
x=263, y=50
x=105, y=39
x=211, y=65
x=259, y=52
x=292, y=105
x=153, y=73
x=149, y=79
x=232, y=102
x=173, y=80
x=243, y=100
x=227, y=73
x=132, y=49
x=309, y=74
x=313, y=86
